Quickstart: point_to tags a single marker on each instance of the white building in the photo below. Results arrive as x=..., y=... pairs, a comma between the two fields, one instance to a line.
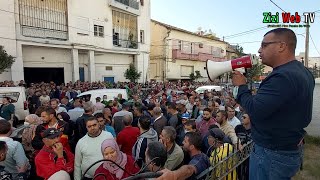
x=69, y=40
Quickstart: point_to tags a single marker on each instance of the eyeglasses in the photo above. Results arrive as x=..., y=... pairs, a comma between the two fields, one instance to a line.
x=265, y=44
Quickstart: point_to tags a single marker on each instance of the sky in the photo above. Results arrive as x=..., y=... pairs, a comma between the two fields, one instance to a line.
x=230, y=17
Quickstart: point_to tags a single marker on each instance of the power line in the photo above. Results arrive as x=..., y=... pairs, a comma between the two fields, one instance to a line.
x=245, y=32
x=314, y=44
x=277, y=6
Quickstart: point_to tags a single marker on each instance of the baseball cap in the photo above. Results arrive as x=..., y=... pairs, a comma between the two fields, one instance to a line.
x=51, y=133
x=185, y=116
x=217, y=133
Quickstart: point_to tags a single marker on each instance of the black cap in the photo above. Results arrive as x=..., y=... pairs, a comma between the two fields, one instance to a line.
x=51, y=133
x=217, y=134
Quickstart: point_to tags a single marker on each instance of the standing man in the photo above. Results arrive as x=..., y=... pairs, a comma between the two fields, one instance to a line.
x=7, y=110
x=277, y=130
x=86, y=149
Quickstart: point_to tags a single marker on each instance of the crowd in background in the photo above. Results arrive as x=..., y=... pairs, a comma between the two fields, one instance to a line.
x=160, y=126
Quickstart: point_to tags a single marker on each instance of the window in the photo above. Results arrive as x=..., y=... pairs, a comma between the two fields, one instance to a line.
x=108, y=68
x=141, y=36
x=180, y=45
x=98, y=30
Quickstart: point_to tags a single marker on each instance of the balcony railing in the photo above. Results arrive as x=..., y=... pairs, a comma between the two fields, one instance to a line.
x=178, y=54
x=124, y=43
x=131, y=3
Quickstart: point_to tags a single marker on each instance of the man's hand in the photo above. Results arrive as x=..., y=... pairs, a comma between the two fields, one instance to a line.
x=238, y=78
x=167, y=174
x=58, y=149
x=23, y=168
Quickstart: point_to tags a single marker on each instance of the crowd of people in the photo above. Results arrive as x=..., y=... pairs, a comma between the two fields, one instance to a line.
x=156, y=128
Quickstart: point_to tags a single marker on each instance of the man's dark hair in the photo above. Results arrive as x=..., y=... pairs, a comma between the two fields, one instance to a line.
x=3, y=146
x=286, y=35
x=139, y=107
x=90, y=119
x=5, y=126
x=145, y=122
x=50, y=110
x=191, y=123
x=172, y=105
x=223, y=113
x=171, y=133
x=99, y=115
x=157, y=152
x=195, y=139
x=218, y=101
x=207, y=109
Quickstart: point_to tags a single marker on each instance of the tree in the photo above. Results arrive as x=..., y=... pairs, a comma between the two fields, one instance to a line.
x=6, y=60
x=195, y=76
x=254, y=73
x=132, y=74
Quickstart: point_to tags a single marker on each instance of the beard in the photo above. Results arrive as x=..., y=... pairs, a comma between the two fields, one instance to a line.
x=206, y=119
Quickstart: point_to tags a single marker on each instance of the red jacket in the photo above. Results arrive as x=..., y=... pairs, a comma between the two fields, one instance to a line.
x=130, y=167
x=47, y=163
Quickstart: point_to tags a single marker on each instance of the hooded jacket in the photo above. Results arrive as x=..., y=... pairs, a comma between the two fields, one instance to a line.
x=139, y=148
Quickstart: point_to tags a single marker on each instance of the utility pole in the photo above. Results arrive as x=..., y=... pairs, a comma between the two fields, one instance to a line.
x=306, y=58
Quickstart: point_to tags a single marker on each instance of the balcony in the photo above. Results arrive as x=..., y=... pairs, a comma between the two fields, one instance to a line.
x=178, y=54
x=131, y=6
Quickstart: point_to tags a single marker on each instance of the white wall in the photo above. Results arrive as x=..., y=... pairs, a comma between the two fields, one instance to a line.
x=173, y=69
x=34, y=56
x=119, y=63
x=7, y=33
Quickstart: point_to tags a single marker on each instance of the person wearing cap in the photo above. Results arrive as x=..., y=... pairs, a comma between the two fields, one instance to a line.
x=50, y=120
x=53, y=157
x=219, y=151
x=181, y=106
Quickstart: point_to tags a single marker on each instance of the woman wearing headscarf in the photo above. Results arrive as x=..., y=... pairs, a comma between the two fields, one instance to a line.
x=31, y=123
x=110, y=150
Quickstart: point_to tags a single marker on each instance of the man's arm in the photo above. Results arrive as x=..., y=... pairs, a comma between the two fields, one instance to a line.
x=181, y=174
x=77, y=163
x=273, y=94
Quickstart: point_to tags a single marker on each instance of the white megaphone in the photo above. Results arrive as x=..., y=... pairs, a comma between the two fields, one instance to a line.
x=215, y=69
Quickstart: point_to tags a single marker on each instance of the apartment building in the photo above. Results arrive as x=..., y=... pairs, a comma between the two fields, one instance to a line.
x=70, y=40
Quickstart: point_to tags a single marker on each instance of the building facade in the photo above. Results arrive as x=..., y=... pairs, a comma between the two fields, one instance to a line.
x=70, y=40
x=176, y=53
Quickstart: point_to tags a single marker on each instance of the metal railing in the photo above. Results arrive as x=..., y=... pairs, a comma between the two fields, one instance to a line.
x=234, y=166
x=131, y=3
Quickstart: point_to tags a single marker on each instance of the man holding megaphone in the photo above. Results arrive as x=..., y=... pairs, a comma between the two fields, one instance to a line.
x=280, y=110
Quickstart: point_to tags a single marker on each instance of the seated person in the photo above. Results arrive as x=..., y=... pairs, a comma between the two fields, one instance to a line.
x=108, y=170
x=53, y=157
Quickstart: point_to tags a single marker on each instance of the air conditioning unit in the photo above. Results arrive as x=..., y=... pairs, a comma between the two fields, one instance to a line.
x=200, y=45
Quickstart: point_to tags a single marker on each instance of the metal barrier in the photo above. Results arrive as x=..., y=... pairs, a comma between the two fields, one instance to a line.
x=228, y=163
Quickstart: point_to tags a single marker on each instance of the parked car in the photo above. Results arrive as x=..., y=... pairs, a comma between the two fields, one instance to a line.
x=18, y=98
x=209, y=88
x=111, y=94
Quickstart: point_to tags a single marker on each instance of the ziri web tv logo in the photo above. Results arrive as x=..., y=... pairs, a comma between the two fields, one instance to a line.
x=287, y=18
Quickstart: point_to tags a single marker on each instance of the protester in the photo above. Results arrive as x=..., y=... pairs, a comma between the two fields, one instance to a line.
x=53, y=157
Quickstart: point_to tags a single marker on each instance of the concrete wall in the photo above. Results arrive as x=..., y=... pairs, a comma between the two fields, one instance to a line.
x=48, y=57
x=8, y=34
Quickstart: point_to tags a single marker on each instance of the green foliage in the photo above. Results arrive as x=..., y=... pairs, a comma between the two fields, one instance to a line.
x=6, y=60
x=132, y=74
x=254, y=73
